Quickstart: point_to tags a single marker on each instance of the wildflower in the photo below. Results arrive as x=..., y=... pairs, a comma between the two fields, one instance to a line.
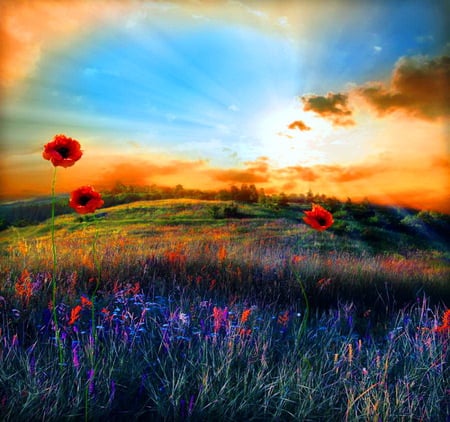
x=318, y=218
x=283, y=318
x=222, y=253
x=24, y=286
x=75, y=314
x=15, y=341
x=91, y=381
x=184, y=318
x=350, y=353
x=220, y=317
x=298, y=258
x=62, y=151
x=245, y=314
x=75, y=356
x=445, y=327
x=323, y=283
x=85, y=200
x=85, y=302
x=245, y=332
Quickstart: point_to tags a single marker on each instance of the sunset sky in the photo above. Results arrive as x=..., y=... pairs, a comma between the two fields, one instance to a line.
x=346, y=98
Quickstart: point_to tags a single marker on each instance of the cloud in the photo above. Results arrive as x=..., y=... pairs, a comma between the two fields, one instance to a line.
x=238, y=176
x=28, y=28
x=342, y=174
x=255, y=172
x=333, y=107
x=306, y=174
x=298, y=124
x=143, y=172
x=419, y=87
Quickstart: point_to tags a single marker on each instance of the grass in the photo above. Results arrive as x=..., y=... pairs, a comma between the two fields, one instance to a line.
x=198, y=318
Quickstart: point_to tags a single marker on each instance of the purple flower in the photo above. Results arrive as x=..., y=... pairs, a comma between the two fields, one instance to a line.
x=91, y=382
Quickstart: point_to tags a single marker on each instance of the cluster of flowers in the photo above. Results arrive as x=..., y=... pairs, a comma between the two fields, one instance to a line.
x=65, y=152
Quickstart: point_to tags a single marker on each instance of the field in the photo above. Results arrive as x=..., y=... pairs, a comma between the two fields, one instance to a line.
x=178, y=309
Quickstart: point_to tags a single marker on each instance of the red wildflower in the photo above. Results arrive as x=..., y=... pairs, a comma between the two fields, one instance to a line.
x=245, y=314
x=85, y=200
x=75, y=314
x=85, y=302
x=445, y=327
x=62, y=151
x=283, y=318
x=318, y=218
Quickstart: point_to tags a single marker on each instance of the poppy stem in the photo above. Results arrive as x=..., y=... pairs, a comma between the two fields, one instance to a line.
x=55, y=262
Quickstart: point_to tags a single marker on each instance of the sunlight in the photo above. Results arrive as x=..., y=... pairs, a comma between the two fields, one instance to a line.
x=293, y=146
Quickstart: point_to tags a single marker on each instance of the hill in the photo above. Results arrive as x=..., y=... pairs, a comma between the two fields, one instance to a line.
x=365, y=226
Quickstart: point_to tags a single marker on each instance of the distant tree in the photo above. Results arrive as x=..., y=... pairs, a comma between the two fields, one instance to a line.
x=223, y=195
x=253, y=197
x=178, y=191
x=262, y=198
x=234, y=192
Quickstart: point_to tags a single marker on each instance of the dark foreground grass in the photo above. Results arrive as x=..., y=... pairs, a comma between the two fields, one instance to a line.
x=181, y=357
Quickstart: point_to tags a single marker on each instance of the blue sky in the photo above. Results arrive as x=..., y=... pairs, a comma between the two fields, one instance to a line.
x=213, y=81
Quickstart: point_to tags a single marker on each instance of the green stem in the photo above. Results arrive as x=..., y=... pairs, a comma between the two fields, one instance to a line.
x=305, y=298
x=55, y=262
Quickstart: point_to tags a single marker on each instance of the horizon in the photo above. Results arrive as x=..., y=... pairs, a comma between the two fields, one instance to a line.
x=337, y=98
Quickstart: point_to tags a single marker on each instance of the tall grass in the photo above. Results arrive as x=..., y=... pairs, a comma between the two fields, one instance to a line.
x=208, y=321
x=162, y=358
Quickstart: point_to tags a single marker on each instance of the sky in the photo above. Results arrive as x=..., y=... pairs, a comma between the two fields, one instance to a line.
x=345, y=98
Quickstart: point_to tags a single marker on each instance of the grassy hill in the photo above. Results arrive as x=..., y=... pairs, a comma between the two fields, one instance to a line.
x=368, y=227
x=172, y=306
x=379, y=249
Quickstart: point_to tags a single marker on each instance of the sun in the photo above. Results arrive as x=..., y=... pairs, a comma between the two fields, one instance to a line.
x=302, y=144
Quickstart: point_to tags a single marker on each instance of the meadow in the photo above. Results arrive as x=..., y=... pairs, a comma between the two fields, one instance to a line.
x=178, y=309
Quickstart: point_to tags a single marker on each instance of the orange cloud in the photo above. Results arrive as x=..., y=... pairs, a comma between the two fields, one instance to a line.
x=142, y=172
x=28, y=27
x=419, y=87
x=298, y=124
x=342, y=174
x=333, y=107
x=238, y=176
x=306, y=174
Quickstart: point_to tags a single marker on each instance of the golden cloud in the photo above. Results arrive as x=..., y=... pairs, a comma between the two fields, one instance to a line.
x=298, y=124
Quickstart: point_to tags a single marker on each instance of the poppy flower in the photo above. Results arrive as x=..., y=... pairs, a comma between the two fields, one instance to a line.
x=62, y=151
x=318, y=218
x=85, y=200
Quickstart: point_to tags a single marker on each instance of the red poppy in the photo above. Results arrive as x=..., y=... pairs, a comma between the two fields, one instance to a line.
x=62, y=151
x=318, y=218
x=85, y=200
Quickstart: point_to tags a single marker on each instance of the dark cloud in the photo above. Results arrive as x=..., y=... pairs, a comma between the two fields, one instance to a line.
x=298, y=124
x=333, y=107
x=255, y=172
x=419, y=86
x=238, y=176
